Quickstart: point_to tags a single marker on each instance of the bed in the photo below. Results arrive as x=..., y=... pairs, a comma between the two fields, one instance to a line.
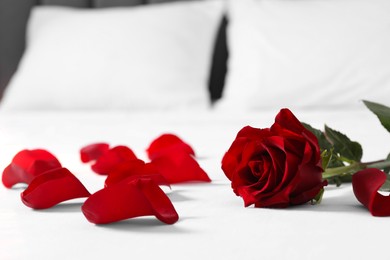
x=213, y=222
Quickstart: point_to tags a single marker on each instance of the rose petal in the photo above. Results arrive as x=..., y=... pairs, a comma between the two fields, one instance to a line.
x=366, y=184
x=157, y=178
x=28, y=164
x=127, y=169
x=135, y=169
x=273, y=200
x=114, y=156
x=308, y=183
x=232, y=157
x=129, y=199
x=168, y=143
x=53, y=187
x=254, y=133
x=177, y=168
x=285, y=119
x=93, y=151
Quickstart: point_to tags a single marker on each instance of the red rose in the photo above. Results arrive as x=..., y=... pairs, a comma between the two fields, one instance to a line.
x=275, y=167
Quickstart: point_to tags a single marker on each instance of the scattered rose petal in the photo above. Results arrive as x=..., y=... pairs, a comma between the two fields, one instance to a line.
x=93, y=151
x=51, y=188
x=179, y=167
x=28, y=164
x=110, y=159
x=366, y=184
x=157, y=178
x=129, y=199
x=135, y=169
x=168, y=143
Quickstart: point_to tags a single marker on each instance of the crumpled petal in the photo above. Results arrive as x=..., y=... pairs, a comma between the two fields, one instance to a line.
x=27, y=164
x=179, y=167
x=93, y=151
x=110, y=159
x=135, y=169
x=53, y=187
x=168, y=143
x=366, y=184
x=129, y=199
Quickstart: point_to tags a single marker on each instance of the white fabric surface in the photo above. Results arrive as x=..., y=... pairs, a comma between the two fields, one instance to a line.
x=213, y=222
x=139, y=58
x=307, y=53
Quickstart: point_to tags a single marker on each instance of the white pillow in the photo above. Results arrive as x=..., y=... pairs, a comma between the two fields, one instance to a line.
x=307, y=53
x=148, y=57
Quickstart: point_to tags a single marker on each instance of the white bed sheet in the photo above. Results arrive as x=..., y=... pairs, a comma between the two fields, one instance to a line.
x=213, y=222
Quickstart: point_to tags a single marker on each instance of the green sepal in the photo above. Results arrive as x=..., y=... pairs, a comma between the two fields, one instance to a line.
x=383, y=165
x=326, y=157
x=325, y=145
x=338, y=180
x=387, y=169
x=318, y=198
x=381, y=111
x=386, y=185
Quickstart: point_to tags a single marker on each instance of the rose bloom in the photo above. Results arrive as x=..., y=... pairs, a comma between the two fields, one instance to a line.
x=275, y=167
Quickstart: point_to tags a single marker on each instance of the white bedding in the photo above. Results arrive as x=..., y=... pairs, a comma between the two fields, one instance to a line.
x=213, y=222
x=148, y=57
x=307, y=53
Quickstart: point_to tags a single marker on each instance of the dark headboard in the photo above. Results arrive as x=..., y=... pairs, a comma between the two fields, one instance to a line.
x=13, y=19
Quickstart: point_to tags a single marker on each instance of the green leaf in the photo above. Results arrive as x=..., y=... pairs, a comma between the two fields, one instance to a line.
x=322, y=141
x=381, y=111
x=325, y=145
x=343, y=145
x=335, y=162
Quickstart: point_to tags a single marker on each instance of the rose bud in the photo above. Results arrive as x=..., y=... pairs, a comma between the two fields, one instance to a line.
x=275, y=167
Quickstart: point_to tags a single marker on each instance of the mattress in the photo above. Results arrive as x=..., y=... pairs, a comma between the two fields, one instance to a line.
x=213, y=223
